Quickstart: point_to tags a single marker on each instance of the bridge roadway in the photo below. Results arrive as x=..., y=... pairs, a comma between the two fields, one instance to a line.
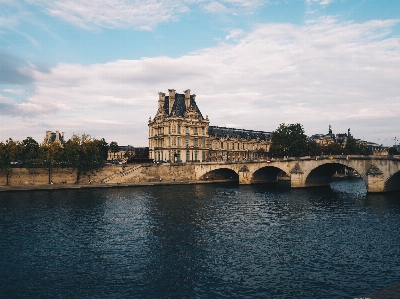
x=380, y=174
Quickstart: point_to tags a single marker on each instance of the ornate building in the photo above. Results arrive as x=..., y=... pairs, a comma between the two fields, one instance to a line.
x=52, y=137
x=180, y=133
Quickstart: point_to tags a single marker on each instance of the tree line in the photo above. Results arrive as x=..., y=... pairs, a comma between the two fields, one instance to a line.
x=290, y=140
x=82, y=153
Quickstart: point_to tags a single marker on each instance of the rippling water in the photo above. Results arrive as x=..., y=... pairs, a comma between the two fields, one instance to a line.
x=199, y=241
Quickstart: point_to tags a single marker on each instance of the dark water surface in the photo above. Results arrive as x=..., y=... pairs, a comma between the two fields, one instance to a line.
x=199, y=241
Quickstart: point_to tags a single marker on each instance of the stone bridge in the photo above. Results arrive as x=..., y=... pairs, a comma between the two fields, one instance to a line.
x=380, y=174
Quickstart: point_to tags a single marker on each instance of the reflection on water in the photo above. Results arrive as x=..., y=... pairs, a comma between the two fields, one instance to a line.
x=203, y=241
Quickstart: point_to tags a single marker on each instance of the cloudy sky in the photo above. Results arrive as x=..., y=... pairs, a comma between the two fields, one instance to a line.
x=96, y=67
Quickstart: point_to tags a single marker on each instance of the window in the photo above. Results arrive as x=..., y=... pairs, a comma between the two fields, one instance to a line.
x=203, y=141
x=203, y=156
x=179, y=141
x=187, y=155
x=178, y=156
x=195, y=130
x=196, y=142
x=179, y=129
x=187, y=141
x=202, y=130
x=195, y=155
x=187, y=130
x=169, y=141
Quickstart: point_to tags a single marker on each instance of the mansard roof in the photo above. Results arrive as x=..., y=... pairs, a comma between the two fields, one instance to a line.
x=179, y=107
x=234, y=133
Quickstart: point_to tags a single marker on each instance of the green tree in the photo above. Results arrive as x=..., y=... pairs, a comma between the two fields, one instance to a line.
x=288, y=140
x=355, y=148
x=83, y=154
x=393, y=151
x=31, y=152
x=334, y=149
x=10, y=152
x=50, y=156
x=103, y=148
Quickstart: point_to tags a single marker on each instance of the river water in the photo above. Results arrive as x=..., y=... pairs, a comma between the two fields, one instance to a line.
x=199, y=241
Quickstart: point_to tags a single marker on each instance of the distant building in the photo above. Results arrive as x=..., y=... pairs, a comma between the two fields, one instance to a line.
x=123, y=153
x=128, y=152
x=180, y=133
x=341, y=138
x=52, y=137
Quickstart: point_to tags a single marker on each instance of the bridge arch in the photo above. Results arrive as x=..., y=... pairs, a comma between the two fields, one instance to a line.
x=393, y=183
x=268, y=174
x=221, y=174
x=322, y=174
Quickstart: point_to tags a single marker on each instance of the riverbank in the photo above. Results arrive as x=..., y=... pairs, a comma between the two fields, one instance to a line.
x=111, y=185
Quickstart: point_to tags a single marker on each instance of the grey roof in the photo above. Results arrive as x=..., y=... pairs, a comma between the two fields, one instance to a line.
x=233, y=133
x=179, y=106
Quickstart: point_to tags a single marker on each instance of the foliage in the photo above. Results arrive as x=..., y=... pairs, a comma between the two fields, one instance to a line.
x=334, y=149
x=30, y=152
x=114, y=147
x=354, y=148
x=288, y=140
x=10, y=152
x=83, y=153
x=393, y=151
x=102, y=145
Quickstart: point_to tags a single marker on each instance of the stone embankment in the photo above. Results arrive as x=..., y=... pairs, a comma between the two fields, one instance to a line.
x=108, y=176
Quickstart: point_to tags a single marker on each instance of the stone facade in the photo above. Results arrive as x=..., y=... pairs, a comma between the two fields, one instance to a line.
x=180, y=133
x=52, y=137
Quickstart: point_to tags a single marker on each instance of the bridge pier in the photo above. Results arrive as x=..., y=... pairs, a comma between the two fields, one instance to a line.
x=375, y=183
x=245, y=178
x=297, y=180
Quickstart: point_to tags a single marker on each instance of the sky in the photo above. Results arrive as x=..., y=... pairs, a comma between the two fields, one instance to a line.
x=96, y=67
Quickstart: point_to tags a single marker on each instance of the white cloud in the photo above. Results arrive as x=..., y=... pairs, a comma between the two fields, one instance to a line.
x=215, y=7
x=6, y=100
x=323, y=73
x=138, y=14
x=114, y=13
x=14, y=91
x=320, y=2
x=234, y=34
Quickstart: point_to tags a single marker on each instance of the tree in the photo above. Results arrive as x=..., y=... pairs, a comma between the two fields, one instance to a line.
x=83, y=154
x=288, y=140
x=49, y=156
x=10, y=152
x=334, y=149
x=355, y=148
x=393, y=151
x=31, y=152
x=103, y=148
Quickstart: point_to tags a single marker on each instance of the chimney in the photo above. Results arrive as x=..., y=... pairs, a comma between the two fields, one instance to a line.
x=161, y=100
x=57, y=136
x=187, y=98
x=62, y=135
x=171, y=100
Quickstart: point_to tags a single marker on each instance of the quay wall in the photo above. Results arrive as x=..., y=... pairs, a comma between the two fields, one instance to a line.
x=146, y=173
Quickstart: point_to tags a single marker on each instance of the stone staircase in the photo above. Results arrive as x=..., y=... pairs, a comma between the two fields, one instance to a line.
x=119, y=176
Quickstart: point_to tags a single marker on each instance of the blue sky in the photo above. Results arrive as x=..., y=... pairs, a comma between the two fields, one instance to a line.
x=96, y=67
